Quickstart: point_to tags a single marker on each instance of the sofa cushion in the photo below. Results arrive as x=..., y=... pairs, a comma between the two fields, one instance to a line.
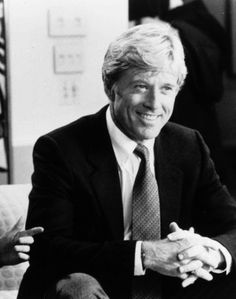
x=13, y=205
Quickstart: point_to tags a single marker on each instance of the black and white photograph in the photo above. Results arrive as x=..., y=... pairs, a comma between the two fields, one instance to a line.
x=117, y=149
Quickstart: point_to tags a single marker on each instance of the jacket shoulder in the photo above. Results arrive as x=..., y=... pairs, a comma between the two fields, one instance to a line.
x=182, y=142
x=176, y=131
x=81, y=129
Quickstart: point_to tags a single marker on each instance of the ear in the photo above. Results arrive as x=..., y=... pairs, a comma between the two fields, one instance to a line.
x=113, y=93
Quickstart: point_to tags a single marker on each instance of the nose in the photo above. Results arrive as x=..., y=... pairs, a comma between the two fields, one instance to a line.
x=153, y=99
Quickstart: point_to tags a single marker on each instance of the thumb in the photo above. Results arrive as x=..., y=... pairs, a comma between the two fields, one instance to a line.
x=174, y=227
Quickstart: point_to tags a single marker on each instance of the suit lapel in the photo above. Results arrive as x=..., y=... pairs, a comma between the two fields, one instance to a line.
x=106, y=184
x=169, y=179
x=105, y=177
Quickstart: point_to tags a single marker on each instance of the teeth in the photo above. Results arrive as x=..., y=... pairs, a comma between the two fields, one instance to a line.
x=148, y=116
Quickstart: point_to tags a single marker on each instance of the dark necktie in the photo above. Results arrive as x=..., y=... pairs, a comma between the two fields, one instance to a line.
x=145, y=221
x=145, y=205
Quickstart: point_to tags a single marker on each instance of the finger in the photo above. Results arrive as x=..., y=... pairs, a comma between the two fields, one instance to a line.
x=189, y=280
x=192, y=266
x=22, y=248
x=191, y=230
x=192, y=252
x=204, y=274
x=184, y=262
x=25, y=240
x=31, y=232
x=207, y=268
x=209, y=243
x=183, y=276
x=23, y=256
x=174, y=227
x=179, y=235
x=175, y=236
x=198, y=252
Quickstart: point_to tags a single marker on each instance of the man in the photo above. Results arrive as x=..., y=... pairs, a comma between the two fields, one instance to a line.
x=110, y=188
x=15, y=244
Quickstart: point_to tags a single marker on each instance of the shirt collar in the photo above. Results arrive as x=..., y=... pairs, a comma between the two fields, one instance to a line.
x=124, y=146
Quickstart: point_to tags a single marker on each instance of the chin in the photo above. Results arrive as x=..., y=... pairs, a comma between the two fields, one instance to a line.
x=143, y=137
x=153, y=134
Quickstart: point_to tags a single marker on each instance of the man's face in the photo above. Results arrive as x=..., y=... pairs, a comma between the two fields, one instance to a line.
x=143, y=102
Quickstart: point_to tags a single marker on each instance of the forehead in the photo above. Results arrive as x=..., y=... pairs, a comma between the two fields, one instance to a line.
x=152, y=77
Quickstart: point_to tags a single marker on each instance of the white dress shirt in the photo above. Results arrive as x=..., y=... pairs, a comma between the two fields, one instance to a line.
x=128, y=165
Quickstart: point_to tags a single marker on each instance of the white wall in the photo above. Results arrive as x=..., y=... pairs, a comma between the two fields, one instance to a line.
x=40, y=99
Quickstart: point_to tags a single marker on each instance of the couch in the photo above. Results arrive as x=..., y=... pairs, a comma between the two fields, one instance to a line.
x=13, y=204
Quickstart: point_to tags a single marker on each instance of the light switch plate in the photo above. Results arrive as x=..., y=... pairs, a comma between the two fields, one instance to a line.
x=65, y=23
x=68, y=58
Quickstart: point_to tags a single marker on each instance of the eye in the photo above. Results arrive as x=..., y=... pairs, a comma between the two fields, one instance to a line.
x=167, y=89
x=141, y=87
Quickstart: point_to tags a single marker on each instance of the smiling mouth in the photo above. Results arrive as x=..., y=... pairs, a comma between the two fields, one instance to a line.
x=148, y=116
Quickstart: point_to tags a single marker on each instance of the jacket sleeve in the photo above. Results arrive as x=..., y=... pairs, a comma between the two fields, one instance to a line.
x=215, y=209
x=51, y=206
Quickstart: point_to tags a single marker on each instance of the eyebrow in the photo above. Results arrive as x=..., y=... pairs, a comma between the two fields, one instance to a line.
x=145, y=80
x=139, y=79
x=170, y=84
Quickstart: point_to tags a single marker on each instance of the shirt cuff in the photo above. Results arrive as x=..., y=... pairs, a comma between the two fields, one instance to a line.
x=138, y=265
x=228, y=260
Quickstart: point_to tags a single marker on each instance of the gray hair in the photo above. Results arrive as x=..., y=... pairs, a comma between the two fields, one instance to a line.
x=152, y=47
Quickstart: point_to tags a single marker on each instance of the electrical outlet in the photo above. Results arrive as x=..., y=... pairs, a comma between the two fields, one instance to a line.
x=69, y=92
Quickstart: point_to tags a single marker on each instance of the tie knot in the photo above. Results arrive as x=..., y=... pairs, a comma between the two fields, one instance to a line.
x=142, y=151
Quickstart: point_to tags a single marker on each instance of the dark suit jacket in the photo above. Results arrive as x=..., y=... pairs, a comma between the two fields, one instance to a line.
x=76, y=197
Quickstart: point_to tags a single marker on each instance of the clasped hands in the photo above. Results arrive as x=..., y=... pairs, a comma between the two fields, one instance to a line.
x=183, y=254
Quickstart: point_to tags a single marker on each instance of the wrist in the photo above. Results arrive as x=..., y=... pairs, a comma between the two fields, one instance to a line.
x=146, y=254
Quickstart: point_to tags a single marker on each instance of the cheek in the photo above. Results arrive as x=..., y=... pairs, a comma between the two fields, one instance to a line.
x=168, y=105
x=125, y=106
x=121, y=111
